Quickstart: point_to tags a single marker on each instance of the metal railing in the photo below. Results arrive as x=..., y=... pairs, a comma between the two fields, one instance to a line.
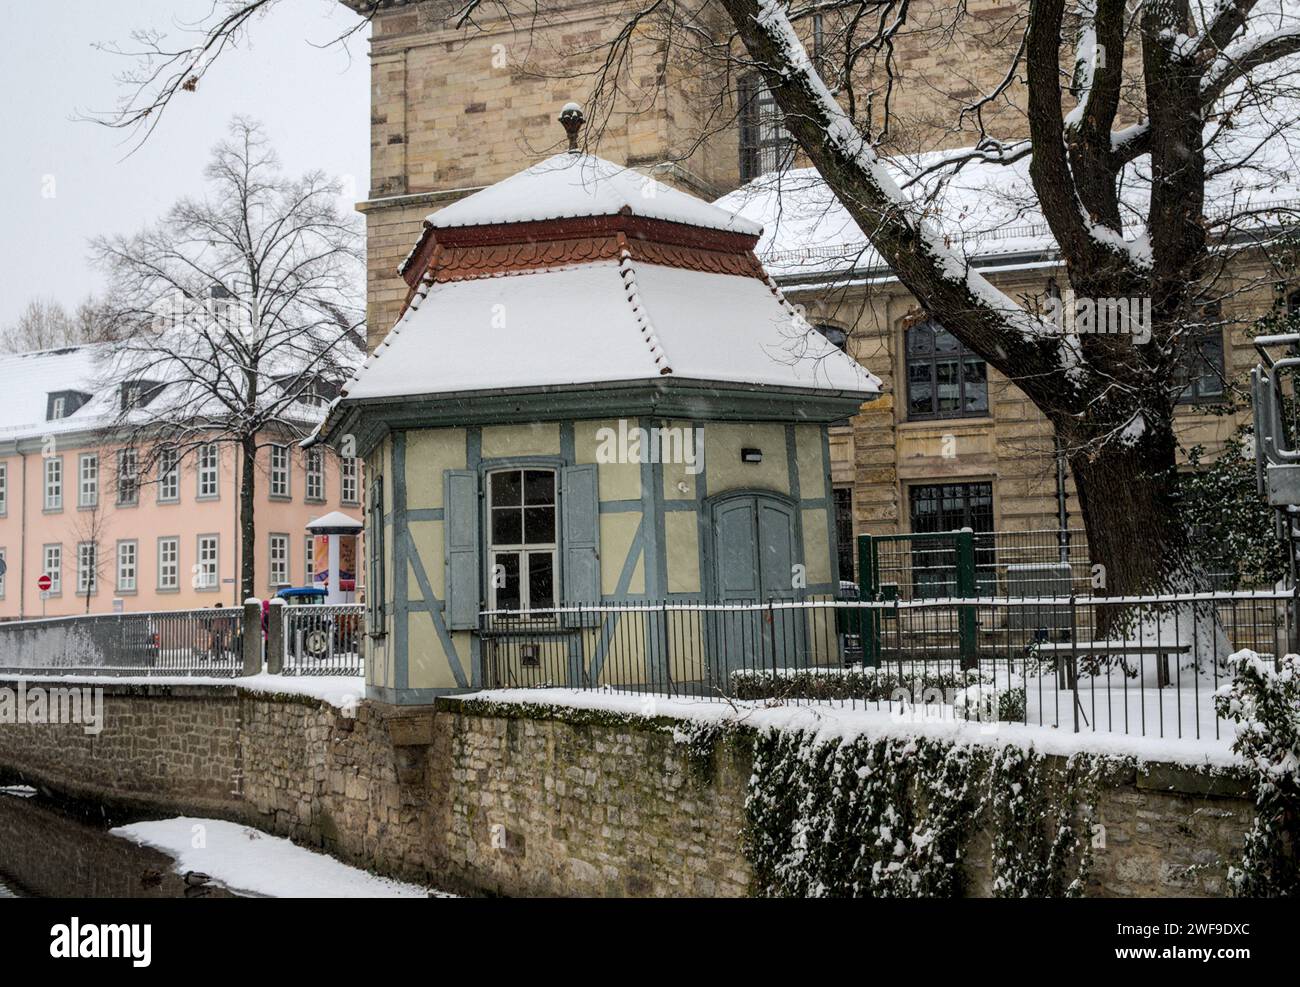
x=1145, y=666
x=323, y=640
x=180, y=642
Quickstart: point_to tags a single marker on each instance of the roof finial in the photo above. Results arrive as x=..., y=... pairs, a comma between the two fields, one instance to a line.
x=572, y=119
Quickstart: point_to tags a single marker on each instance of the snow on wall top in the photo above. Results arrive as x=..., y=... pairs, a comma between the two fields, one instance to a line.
x=568, y=186
x=597, y=323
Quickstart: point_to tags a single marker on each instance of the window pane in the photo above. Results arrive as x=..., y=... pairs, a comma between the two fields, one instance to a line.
x=507, y=526
x=539, y=487
x=541, y=580
x=947, y=389
x=506, y=580
x=539, y=525
x=505, y=488
x=975, y=377
x=920, y=395
x=945, y=342
x=920, y=339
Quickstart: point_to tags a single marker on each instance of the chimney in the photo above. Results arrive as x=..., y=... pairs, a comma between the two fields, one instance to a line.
x=572, y=119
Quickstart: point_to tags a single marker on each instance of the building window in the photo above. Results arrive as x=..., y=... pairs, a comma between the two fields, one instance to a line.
x=169, y=476
x=54, y=483
x=280, y=472
x=4, y=489
x=209, y=471
x=87, y=563
x=375, y=588
x=52, y=566
x=4, y=565
x=58, y=408
x=522, y=540
x=309, y=559
x=764, y=144
x=128, y=479
x=944, y=378
x=835, y=335
x=315, y=475
x=205, y=569
x=844, y=533
x=349, y=473
x=169, y=563
x=279, y=567
x=1200, y=367
x=88, y=480
x=128, y=555
x=943, y=507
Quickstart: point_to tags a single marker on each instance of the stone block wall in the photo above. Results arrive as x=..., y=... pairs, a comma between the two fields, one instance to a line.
x=526, y=801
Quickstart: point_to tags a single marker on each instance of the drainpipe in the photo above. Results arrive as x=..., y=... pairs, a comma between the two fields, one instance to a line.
x=22, y=550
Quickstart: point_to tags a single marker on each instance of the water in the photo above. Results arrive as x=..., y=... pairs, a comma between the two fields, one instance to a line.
x=61, y=851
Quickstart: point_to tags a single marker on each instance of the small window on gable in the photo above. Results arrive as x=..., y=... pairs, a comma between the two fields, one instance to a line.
x=833, y=334
x=138, y=393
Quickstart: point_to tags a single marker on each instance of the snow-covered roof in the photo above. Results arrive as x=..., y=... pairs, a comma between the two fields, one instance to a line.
x=602, y=322
x=335, y=519
x=568, y=186
x=989, y=213
x=27, y=380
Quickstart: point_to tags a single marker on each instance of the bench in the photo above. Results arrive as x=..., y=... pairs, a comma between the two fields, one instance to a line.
x=1112, y=648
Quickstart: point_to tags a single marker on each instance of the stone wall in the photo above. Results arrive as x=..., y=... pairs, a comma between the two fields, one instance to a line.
x=524, y=801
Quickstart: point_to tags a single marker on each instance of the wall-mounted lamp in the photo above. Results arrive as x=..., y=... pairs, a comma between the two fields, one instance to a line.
x=751, y=455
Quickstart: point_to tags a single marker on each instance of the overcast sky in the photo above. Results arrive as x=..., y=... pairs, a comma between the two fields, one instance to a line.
x=315, y=103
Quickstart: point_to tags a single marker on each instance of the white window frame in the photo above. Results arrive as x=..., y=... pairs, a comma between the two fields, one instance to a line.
x=55, y=570
x=309, y=560
x=87, y=564
x=128, y=565
x=169, y=477
x=315, y=466
x=88, y=479
x=3, y=574
x=4, y=489
x=277, y=545
x=350, y=480
x=169, y=569
x=209, y=471
x=279, y=468
x=524, y=549
x=207, y=580
x=53, y=484
x=128, y=477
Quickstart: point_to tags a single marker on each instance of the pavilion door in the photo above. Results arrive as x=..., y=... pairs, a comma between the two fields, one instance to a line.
x=754, y=548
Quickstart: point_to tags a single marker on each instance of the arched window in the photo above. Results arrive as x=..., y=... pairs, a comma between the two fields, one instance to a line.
x=944, y=378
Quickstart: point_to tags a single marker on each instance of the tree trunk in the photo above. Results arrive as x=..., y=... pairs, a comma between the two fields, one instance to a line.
x=1129, y=500
x=247, y=528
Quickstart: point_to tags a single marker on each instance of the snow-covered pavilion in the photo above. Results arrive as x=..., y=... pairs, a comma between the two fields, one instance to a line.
x=594, y=394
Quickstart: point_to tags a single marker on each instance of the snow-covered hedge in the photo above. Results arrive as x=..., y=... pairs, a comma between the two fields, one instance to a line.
x=1264, y=699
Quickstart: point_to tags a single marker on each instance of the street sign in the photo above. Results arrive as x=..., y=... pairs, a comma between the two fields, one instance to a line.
x=43, y=583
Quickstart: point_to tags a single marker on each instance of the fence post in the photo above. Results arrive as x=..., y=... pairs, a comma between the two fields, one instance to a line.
x=868, y=589
x=252, y=637
x=966, y=618
x=275, y=637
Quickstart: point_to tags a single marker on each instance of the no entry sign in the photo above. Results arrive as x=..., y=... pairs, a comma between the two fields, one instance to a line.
x=43, y=583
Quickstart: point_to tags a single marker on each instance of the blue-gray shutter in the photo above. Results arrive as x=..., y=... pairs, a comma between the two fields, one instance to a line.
x=580, y=536
x=461, y=538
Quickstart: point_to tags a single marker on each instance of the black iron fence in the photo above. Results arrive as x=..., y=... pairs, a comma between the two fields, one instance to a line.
x=321, y=640
x=181, y=642
x=1146, y=666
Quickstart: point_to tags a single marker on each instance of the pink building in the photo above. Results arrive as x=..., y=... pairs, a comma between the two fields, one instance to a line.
x=74, y=506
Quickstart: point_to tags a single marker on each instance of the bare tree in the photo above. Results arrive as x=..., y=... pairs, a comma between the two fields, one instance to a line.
x=240, y=313
x=1147, y=126
x=45, y=325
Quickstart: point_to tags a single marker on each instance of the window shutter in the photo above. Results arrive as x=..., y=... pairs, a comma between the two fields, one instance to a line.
x=461, y=535
x=580, y=538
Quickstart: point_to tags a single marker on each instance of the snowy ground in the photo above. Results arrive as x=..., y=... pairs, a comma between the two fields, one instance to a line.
x=833, y=721
x=248, y=861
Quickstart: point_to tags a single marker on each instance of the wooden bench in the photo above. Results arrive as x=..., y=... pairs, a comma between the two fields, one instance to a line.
x=1110, y=648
